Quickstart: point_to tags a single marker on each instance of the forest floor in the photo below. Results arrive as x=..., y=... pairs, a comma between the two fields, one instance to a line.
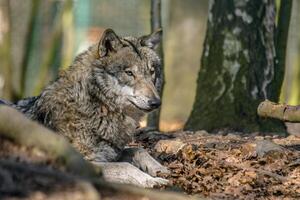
x=231, y=166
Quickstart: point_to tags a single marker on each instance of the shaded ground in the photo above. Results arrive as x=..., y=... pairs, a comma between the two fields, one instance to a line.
x=214, y=166
x=36, y=163
x=28, y=173
x=229, y=166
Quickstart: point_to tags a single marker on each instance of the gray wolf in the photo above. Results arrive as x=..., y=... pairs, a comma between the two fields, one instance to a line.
x=98, y=101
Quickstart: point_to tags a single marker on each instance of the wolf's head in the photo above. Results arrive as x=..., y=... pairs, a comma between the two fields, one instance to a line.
x=126, y=71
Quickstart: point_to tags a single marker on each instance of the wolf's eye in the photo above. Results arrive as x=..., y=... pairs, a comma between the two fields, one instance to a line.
x=152, y=71
x=129, y=73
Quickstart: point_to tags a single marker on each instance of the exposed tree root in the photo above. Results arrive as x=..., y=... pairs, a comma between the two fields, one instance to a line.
x=18, y=128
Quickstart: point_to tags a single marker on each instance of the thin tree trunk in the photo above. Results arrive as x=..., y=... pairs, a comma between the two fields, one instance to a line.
x=281, y=41
x=68, y=35
x=32, y=19
x=5, y=47
x=238, y=68
x=297, y=81
x=153, y=118
x=52, y=45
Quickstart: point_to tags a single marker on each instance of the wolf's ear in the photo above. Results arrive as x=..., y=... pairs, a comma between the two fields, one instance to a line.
x=108, y=43
x=152, y=40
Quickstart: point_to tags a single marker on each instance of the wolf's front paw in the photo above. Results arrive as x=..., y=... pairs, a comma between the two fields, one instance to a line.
x=154, y=170
x=151, y=182
x=142, y=159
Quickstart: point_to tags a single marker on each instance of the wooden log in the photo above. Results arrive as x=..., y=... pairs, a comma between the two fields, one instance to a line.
x=282, y=112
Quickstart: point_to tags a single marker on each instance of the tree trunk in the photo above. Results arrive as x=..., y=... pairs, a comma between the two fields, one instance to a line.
x=239, y=66
x=28, y=43
x=153, y=118
x=53, y=45
x=20, y=19
x=5, y=46
x=290, y=90
x=281, y=41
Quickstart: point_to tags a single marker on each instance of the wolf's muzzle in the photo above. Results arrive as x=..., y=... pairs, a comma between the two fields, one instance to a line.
x=154, y=103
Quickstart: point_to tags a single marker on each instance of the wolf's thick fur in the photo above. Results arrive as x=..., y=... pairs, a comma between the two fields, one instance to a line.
x=97, y=103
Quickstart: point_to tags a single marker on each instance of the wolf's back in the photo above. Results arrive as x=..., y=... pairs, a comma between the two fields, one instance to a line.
x=22, y=105
x=3, y=102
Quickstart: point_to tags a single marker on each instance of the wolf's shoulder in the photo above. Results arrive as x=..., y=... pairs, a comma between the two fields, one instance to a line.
x=4, y=102
x=27, y=102
x=22, y=105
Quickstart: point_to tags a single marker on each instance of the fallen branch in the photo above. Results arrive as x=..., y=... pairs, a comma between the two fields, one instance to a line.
x=279, y=111
x=23, y=131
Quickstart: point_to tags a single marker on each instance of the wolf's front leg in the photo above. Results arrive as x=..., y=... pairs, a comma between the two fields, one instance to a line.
x=124, y=172
x=143, y=160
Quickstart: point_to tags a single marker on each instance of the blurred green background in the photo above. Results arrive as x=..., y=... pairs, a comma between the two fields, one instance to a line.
x=39, y=37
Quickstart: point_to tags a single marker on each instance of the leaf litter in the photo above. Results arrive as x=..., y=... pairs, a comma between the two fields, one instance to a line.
x=232, y=166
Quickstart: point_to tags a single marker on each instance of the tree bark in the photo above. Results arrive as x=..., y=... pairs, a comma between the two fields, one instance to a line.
x=238, y=68
x=281, y=40
x=153, y=118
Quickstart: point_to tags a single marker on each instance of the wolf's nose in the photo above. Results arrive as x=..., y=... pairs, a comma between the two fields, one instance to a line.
x=154, y=103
